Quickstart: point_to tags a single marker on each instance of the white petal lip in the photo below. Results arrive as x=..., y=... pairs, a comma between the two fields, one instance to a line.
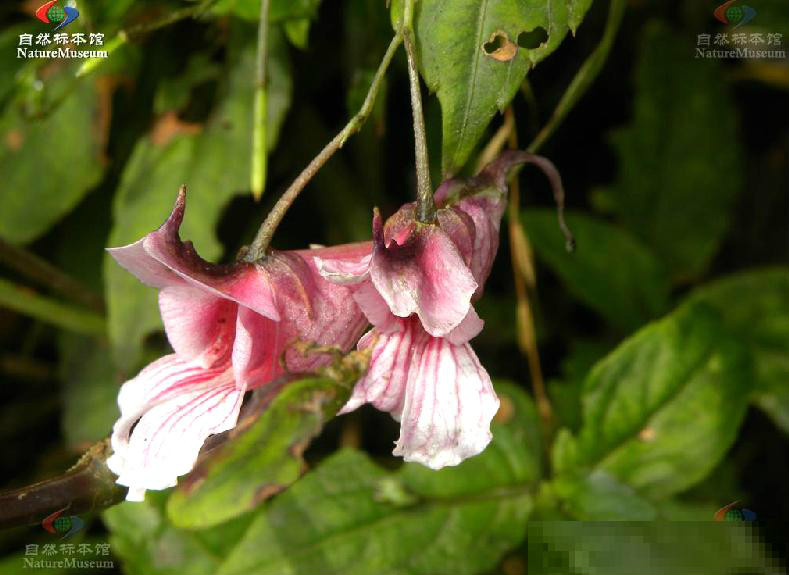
x=438, y=390
x=172, y=406
x=448, y=407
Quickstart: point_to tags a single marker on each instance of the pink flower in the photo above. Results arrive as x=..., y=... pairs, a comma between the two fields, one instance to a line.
x=417, y=288
x=231, y=328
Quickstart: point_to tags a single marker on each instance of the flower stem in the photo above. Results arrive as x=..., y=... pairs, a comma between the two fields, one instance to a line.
x=86, y=487
x=260, y=244
x=260, y=113
x=426, y=208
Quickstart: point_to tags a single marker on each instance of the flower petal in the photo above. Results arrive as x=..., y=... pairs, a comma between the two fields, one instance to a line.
x=200, y=326
x=316, y=311
x=449, y=404
x=426, y=276
x=167, y=412
x=467, y=329
x=344, y=271
x=134, y=259
x=241, y=282
x=374, y=307
x=385, y=381
x=256, y=350
x=486, y=213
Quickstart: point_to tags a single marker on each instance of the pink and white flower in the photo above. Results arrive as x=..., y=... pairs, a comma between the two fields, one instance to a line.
x=417, y=288
x=231, y=328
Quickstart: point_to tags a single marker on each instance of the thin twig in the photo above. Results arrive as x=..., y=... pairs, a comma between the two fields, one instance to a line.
x=262, y=240
x=525, y=287
x=45, y=274
x=496, y=144
x=260, y=113
x=585, y=76
x=426, y=209
x=134, y=32
x=69, y=317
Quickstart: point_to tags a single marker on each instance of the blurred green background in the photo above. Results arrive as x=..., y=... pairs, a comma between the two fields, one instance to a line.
x=676, y=171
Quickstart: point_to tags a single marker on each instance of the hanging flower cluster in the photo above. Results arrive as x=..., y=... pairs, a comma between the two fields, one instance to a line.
x=232, y=329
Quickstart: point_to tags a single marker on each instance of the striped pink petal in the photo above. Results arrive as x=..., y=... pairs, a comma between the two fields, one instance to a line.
x=449, y=404
x=385, y=381
x=167, y=412
x=200, y=326
x=438, y=391
x=257, y=349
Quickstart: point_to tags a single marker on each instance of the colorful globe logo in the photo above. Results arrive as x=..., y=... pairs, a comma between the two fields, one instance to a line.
x=62, y=524
x=51, y=13
x=56, y=14
x=732, y=512
x=734, y=14
x=65, y=525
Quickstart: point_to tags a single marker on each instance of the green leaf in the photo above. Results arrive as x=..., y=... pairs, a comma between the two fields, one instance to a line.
x=598, y=496
x=455, y=51
x=147, y=543
x=50, y=155
x=215, y=166
x=90, y=390
x=679, y=160
x=577, y=10
x=351, y=516
x=10, y=67
x=279, y=10
x=261, y=460
x=754, y=305
x=662, y=409
x=628, y=294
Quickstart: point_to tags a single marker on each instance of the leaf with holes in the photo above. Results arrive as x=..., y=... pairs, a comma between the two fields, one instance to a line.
x=662, y=409
x=351, y=516
x=475, y=54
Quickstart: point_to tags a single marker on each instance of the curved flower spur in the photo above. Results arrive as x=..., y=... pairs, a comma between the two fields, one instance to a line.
x=231, y=328
x=417, y=288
